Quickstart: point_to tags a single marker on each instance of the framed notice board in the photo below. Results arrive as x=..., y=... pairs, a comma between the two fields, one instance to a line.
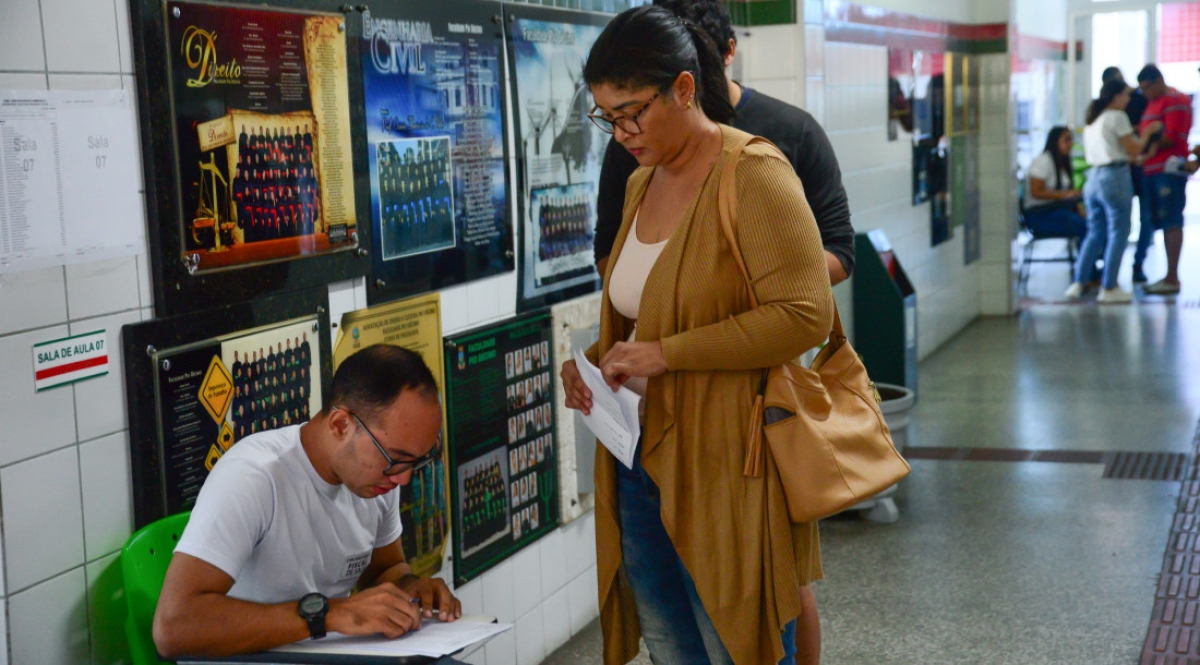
x=434, y=101
x=501, y=440
x=559, y=152
x=415, y=324
x=251, y=148
x=196, y=384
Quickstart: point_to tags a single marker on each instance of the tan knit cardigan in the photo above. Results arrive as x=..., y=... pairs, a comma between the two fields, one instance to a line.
x=732, y=532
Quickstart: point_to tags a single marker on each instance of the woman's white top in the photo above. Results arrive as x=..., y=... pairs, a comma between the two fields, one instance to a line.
x=1043, y=168
x=1102, y=138
x=627, y=281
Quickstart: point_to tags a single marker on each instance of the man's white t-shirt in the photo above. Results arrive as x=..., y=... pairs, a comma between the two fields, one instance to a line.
x=1043, y=167
x=1102, y=138
x=268, y=520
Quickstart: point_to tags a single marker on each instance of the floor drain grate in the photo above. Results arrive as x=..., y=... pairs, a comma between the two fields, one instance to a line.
x=1148, y=466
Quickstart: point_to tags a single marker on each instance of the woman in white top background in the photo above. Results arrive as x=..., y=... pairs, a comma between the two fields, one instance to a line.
x=1053, y=207
x=1109, y=145
x=1050, y=196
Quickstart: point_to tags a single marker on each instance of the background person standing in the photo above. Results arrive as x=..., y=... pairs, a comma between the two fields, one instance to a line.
x=1165, y=193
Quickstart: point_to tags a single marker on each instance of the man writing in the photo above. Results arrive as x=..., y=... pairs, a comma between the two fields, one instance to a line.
x=290, y=520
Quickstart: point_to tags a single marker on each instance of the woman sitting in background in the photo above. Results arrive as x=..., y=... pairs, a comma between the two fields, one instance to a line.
x=1051, y=203
x=1053, y=207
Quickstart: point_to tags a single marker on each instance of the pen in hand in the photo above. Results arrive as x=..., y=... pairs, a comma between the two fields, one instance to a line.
x=417, y=601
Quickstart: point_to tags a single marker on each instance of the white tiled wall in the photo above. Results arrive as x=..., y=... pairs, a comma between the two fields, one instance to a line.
x=64, y=463
x=877, y=174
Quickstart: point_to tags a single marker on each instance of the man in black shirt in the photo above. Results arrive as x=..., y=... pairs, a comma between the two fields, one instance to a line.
x=793, y=130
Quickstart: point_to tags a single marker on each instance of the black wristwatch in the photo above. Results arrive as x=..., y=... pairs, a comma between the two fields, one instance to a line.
x=312, y=608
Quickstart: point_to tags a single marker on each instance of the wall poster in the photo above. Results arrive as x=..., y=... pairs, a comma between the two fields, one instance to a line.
x=962, y=111
x=434, y=98
x=559, y=152
x=415, y=324
x=262, y=122
x=255, y=165
x=503, y=449
x=198, y=384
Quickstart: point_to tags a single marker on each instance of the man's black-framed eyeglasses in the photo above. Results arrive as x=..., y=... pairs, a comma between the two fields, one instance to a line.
x=627, y=123
x=394, y=466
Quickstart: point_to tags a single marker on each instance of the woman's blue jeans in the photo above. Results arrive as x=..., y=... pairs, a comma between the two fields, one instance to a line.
x=675, y=625
x=1108, y=195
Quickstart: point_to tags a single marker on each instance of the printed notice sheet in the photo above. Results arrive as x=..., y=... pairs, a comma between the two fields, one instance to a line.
x=435, y=639
x=614, y=416
x=68, y=178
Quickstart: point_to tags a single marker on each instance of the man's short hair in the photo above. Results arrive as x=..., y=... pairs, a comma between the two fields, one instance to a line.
x=1111, y=73
x=371, y=379
x=1150, y=74
x=711, y=15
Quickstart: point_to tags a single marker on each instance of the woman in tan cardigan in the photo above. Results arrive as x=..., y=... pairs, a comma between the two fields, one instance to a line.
x=693, y=556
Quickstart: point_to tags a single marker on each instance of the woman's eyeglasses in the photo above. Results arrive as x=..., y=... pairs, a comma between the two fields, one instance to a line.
x=627, y=123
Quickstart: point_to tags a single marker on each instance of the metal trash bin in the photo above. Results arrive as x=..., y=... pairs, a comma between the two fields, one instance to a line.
x=896, y=402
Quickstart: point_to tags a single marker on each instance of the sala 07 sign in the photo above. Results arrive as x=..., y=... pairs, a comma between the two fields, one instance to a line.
x=70, y=359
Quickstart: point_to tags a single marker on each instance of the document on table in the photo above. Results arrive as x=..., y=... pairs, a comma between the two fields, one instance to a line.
x=614, y=416
x=435, y=639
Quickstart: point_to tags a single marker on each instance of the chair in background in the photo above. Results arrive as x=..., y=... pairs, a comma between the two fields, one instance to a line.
x=1027, y=256
x=144, y=562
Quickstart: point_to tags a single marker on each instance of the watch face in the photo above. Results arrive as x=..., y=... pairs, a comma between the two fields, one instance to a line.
x=313, y=603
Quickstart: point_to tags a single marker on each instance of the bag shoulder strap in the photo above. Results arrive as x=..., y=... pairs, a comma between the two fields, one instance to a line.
x=727, y=208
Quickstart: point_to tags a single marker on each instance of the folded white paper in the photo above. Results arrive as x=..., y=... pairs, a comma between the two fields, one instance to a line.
x=614, y=415
x=435, y=639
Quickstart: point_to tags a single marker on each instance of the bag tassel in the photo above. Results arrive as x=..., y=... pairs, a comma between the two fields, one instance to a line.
x=754, y=440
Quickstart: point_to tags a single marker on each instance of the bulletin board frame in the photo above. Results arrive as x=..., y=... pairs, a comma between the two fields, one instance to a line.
x=544, y=280
x=502, y=440
x=180, y=284
x=142, y=342
x=435, y=103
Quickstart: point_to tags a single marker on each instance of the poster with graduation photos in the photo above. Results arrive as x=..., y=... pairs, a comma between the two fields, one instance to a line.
x=216, y=393
x=502, y=441
x=559, y=152
x=198, y=384
x=415, y=324
x=434, y=102
x=249, y=160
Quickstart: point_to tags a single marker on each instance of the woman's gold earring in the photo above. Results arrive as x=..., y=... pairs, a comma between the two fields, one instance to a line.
x=689, y=104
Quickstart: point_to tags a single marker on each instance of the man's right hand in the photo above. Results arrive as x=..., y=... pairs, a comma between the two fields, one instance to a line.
x=382, y=609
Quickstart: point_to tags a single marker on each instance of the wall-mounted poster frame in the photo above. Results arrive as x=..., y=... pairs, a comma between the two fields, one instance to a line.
x=415, y=324
x=197, y=383
x=559, y=152
x=434, y=98
x=248, y=148
x=502, y=440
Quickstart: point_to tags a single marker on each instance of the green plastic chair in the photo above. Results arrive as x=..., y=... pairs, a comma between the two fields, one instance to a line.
x=144, y=564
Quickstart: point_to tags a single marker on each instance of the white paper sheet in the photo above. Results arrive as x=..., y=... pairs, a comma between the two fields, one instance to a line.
x=69, y=167
x=614, y=416
x=435, y=639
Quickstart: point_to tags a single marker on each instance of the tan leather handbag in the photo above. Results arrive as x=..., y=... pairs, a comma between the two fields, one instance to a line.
x=822, y=425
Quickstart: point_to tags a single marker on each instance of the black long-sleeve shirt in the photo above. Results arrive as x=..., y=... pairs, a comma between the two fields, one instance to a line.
x=802, y=141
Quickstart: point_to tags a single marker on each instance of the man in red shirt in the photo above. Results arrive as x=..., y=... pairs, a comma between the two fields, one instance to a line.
x=1164, y=190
